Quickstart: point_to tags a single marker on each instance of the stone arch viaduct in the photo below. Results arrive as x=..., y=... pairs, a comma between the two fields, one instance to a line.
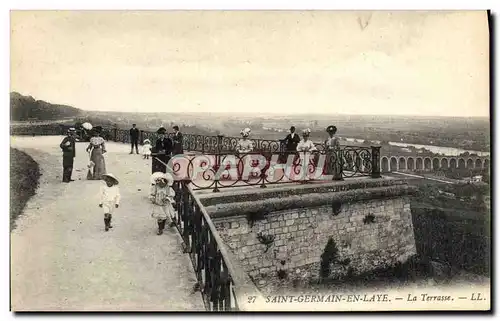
x=429, y=163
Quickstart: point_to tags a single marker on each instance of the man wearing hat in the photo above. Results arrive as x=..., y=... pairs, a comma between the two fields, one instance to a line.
x=292, y=140
x=68, y=148
x=161, y=152
x=177, y=141
x=134, y=139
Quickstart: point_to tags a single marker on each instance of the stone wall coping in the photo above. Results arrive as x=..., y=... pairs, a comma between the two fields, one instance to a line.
x=273, y=204
x=242, y=195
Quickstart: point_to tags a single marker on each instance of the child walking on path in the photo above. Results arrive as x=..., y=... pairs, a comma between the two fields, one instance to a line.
x=110, y=198
x=162, y=196
x=146, y=149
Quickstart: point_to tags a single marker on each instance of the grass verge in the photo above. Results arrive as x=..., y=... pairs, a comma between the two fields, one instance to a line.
x=24, y=179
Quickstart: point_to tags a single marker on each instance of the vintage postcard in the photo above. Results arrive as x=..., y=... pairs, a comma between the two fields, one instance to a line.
x=250, y=161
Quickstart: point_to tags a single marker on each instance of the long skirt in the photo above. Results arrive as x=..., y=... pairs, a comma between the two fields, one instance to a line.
x=100, y=164
x=158, y=163
x=162, y=212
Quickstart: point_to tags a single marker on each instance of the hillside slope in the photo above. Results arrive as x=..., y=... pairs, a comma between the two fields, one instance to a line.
x=27, y=108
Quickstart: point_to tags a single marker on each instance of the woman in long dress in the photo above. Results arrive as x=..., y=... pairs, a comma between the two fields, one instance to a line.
x=244, y=146
x=97, y=149
x=333, y=160
x=305, y=149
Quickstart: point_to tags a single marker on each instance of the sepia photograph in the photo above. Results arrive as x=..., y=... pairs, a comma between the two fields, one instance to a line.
x=250, y=161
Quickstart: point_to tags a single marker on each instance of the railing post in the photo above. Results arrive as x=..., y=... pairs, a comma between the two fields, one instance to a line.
x=282, y=145
x=186, y=218
x=218, y=152
x=376, y=162
x=115, y=132
x=338, y=164
x=141, y=137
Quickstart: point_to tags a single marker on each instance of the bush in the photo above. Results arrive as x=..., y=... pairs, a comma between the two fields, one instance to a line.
x=329, y=256
x=24, y=177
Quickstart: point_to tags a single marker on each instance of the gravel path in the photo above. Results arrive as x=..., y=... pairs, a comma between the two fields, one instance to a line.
x=61, y=258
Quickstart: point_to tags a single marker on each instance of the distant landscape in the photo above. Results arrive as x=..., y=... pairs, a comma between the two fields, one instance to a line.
x=453, y=229
x=464, y=133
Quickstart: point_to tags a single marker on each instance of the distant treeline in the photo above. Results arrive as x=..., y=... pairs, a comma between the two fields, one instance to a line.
x=23, y=108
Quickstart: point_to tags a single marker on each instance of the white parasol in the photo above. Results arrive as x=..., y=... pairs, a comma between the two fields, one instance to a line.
x=87, y=126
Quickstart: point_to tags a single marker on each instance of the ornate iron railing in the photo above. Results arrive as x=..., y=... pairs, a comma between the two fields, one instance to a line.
x=206, y=144
x=191, y=142
x=221, y=170
x=206, y=250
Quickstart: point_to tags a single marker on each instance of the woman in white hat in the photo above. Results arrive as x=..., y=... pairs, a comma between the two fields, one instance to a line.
x=110, y=198
x=162, y=196
x=305, y=147
x=245, y=145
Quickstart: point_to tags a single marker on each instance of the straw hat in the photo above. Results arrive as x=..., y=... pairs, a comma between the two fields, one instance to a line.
x=111, y=176
x=147, y=141
x=306, y=132
x=159, y=176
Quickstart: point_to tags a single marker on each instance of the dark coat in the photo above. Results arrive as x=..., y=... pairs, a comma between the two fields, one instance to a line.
x=164, y=148
x=68, y=151
x=177, y=144
x=164, y=145
x=134, y=133
x=291, y=143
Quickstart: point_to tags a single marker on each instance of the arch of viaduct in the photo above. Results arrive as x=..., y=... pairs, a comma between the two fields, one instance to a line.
x=429, y=163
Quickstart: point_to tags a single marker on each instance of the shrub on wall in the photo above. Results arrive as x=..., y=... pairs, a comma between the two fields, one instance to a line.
x=328, y=257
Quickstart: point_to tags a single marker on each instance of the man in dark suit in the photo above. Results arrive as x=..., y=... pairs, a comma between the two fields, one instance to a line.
x=177, y=141
x=134, y=139
x=161, y=152
x=68, y=147
x=292, y=140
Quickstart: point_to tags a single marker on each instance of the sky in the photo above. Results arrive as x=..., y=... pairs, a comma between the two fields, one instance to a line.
x=289, y=62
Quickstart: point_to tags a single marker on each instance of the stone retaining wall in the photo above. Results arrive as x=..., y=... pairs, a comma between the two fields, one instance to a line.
x=299, y=235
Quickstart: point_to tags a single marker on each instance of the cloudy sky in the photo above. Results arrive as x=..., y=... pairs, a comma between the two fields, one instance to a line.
x=417, y=63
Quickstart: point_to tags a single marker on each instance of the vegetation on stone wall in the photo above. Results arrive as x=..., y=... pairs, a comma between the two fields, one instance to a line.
x=329, y=256
x=369, y=219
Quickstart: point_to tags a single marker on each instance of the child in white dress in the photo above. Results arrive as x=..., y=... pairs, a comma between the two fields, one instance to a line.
x=146, y=149
x=110, y=198
x=162, y=197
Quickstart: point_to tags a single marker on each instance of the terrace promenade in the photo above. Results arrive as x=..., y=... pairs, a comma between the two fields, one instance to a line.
x=61, y=258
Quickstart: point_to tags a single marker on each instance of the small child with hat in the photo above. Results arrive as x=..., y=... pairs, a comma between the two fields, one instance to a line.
x=162, y=196
x=110, y=198
x=146, y=149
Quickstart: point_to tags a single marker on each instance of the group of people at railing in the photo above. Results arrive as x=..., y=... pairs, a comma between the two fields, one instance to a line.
x=303, y=150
